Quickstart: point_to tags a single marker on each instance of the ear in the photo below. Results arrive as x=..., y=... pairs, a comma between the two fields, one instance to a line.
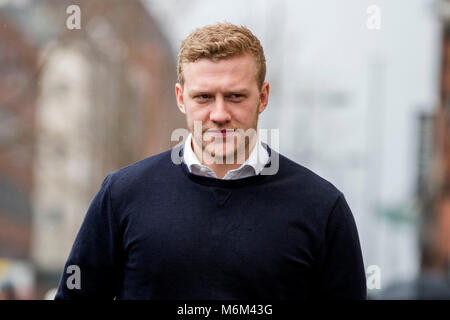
x=263, y=97
x=180, y=100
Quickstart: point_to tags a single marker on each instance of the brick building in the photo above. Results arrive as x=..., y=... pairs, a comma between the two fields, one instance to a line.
x=435, y=190
x=18, y=65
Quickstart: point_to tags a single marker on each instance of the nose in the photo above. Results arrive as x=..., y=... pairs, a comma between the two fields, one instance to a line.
x=219, y=112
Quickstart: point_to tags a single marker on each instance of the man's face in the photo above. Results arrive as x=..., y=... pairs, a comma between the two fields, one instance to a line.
x=224, y=96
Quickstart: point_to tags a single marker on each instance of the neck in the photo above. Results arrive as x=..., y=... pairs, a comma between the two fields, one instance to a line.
x=221, y=169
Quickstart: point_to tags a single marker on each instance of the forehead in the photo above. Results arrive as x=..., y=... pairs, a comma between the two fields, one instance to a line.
x=205, y=74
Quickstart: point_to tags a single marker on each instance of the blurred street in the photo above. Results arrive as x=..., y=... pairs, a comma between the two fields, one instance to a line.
x=360, y=92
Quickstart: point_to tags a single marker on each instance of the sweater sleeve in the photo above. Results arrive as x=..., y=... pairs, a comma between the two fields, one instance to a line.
x=91, y=270
x=341, y=273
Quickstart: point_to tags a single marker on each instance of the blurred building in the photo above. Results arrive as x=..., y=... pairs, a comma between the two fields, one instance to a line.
x=104, y=100
x=18, y=75
x=18, y=63
x=439, y=183
x=433, y=189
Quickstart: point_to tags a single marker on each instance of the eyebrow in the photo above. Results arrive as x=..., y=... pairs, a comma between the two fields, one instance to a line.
x=226, y=93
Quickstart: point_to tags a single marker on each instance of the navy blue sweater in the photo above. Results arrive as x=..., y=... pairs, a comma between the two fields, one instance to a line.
x=156, y=231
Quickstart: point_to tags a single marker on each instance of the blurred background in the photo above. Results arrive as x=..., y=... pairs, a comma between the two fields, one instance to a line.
x=360, y=91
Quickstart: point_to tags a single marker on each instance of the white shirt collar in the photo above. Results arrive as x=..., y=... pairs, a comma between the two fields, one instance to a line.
x=254, y=164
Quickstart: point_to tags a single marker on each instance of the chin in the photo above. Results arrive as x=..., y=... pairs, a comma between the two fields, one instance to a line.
x=220, y=153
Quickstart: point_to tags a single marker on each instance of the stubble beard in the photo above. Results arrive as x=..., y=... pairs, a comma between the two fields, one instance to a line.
x=237, y=147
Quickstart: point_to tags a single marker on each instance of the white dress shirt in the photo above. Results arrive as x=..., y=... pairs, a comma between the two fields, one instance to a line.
x=254, y=164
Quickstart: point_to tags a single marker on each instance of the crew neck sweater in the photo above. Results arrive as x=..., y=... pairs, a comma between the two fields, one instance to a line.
x=156, y=231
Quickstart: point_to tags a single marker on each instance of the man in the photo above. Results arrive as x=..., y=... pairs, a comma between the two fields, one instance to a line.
x=210, y=226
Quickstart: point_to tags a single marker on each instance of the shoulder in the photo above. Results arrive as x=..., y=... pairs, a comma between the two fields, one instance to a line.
x=305, y=186
x=143, y=173
x=323, y=201
x=302, y=177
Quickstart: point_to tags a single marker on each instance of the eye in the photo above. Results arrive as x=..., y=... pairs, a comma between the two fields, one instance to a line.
x=202, y=97
x=236, y=97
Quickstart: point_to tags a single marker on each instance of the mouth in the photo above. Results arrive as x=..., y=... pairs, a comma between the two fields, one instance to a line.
x=223, y=133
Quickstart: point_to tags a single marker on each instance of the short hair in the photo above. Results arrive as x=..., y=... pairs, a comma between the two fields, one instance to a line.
x=219, y=41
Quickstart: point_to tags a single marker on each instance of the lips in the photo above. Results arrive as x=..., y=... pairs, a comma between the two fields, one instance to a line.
x=220, y=133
